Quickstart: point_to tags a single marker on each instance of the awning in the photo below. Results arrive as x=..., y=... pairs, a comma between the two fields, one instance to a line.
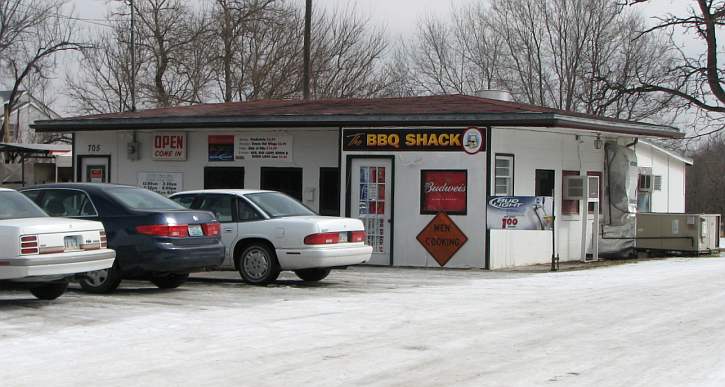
x=36, y=150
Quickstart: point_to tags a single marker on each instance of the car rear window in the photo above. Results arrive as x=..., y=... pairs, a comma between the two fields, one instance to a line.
x=14, y=205
x=277, y=204
x=143, y=199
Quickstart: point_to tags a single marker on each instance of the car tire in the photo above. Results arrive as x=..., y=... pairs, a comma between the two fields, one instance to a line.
x=313, y=275
x=169, y=280
x=101, y=281
x=258, y=264
x=49, y=291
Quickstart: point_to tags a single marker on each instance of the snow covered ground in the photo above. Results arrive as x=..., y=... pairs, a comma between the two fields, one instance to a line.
x=654, y=323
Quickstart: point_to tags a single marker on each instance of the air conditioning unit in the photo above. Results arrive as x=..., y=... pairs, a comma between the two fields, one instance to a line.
x=574, y=187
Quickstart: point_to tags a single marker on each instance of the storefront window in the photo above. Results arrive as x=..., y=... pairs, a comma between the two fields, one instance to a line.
x=504, y=175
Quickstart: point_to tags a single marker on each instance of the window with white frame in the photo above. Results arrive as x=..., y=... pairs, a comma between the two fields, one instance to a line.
x=503, y=175
x=658, y=183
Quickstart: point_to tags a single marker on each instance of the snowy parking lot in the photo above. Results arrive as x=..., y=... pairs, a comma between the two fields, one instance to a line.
x=653, y=323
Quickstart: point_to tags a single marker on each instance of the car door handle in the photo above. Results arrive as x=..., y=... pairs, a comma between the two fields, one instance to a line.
x=228, y=230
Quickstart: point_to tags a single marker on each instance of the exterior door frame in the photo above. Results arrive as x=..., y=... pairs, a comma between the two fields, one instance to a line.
x=79, y=166
x=348, y=193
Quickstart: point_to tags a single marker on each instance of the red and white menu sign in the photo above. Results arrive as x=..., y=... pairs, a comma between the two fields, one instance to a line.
x=169, y=146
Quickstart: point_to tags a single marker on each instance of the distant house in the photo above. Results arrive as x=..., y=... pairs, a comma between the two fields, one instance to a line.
x=26, y=111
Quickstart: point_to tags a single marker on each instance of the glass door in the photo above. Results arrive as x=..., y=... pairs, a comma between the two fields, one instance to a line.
x=371, y=203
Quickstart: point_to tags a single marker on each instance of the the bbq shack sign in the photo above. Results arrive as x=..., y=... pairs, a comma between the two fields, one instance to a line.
x=169, y=146
x=470, y=140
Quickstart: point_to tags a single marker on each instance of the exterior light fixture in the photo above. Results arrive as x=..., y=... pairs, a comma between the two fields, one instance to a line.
x=598, y=142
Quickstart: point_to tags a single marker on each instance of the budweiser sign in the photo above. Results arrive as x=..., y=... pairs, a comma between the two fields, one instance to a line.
x=443, y=191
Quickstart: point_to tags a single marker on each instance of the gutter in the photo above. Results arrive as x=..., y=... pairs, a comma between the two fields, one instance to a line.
x=546, y=120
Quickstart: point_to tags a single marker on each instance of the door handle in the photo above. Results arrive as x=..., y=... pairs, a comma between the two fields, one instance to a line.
x=228, y=230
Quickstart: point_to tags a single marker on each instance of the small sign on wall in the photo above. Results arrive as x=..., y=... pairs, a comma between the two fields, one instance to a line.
x=221, y=147
x=442, y=238
x=164, y=183
x=264, y=147
x=443, y=191
x=169, y=146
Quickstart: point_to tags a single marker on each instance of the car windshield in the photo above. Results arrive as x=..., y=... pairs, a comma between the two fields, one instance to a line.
x=143, y=199
x=277, y=204
x=14, y=205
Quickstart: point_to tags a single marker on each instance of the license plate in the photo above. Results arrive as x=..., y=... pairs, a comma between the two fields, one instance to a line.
x=72, y=243
x=195, y=230
x=343, y=237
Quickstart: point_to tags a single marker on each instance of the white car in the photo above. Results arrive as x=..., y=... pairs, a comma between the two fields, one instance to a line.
x=40, y=253
x=267, y=231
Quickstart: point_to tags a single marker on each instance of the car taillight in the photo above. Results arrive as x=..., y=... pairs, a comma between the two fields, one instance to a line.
x=104, y=240
x=164, y=230
x=358, y=236
x=326, y=238
x=211, y=229
x=29, y=244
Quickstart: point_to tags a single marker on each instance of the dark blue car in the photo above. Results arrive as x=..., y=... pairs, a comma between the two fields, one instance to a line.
x=154, y=237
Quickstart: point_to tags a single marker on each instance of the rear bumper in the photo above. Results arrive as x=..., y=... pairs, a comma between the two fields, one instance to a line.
x=290, y=259
x=168, y=257
x=54, y=266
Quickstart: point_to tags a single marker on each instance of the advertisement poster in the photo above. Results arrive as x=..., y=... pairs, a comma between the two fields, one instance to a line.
x=443, y=191
x=264, y=147
x=169, y=146
x=221, y=148
x=164, y=183
x=520, y=213
x=470, y=140
x=96, y=173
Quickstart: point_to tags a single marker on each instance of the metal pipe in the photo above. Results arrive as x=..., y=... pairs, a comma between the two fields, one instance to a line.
x=307, y=49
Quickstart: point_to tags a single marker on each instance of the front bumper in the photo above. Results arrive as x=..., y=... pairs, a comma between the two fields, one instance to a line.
x=168, y=257
x=319, y=257
x=54, y=266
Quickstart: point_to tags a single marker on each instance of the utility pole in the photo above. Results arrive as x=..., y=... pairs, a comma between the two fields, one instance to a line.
x=133, y=59
x=306, y=70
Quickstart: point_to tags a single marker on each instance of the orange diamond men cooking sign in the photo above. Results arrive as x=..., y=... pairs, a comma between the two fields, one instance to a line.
x=442, y=238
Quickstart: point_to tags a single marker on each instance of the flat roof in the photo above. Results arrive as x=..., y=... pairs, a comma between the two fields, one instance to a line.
x=437, y=110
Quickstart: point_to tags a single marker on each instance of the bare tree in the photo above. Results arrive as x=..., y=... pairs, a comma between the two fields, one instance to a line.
x=705, y=182
x=694, y=78
x=171, y=39
x=32, y=32
x=102, y=82
x=347, y=55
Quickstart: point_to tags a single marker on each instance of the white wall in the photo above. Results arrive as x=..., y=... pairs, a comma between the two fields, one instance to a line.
x=408, y=222
x=671, y=198
x=541, y=150
x=312, y=149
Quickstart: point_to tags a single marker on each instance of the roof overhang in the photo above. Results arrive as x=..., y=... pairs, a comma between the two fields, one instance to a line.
x=535, y=120
x=668, y=152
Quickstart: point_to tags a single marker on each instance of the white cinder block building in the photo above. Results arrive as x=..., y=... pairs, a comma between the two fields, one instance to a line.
x=454, y=181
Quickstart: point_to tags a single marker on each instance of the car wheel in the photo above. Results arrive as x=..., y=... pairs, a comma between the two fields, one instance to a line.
x=169, y=280
x=49, y=291
x=258, y=265
x=101, y=281
x=313, y=275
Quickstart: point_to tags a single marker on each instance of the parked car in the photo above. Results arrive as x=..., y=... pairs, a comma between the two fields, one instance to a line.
x=39, y=253
x=154, y=237
x=267, y=231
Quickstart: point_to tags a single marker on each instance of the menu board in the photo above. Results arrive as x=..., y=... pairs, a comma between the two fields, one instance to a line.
x=264, y=147
x=164, y=183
